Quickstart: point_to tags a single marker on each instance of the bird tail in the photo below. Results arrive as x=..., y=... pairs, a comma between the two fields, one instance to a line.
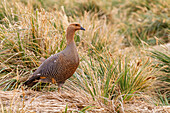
x=31, y=81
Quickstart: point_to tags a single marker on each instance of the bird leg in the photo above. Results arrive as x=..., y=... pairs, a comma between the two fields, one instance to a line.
x=59, y=86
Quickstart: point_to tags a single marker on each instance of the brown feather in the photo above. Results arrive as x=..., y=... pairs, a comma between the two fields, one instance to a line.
x=61, y=66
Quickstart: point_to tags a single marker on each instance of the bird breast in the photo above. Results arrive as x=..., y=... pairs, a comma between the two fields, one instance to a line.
x=71, y=54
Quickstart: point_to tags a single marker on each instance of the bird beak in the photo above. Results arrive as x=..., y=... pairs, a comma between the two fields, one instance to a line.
x=82, y=28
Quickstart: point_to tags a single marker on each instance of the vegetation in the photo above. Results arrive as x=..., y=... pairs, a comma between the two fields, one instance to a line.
x=116, y=66
x=163, y=64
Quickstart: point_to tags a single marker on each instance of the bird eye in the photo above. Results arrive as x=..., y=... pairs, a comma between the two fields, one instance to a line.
x=76, y=24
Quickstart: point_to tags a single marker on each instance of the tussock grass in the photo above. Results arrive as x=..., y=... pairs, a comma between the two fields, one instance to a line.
x=108, y=76
x=150, y=19
x=163, y=63
x=110, y=80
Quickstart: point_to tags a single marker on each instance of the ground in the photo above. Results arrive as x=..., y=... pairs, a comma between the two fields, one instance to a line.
x=46, y=102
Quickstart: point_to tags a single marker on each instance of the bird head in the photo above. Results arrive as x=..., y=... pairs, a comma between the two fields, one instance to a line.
x=71, y=31
x=75, y=27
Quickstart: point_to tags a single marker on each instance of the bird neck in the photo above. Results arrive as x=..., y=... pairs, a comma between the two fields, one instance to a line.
x=70, y=36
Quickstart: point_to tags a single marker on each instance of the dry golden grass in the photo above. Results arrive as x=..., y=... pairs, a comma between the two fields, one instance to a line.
x=110, y=77
x=46, y=102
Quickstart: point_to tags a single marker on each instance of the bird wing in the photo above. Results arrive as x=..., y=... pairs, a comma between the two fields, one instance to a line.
x=47, y=69
x=50, y=66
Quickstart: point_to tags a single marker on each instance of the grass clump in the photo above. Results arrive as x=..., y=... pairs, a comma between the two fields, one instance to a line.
x=22, y=45
x=7, y=14
x=107, y=79
x=149, y=33
x=163, y=63
x=147, y=23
